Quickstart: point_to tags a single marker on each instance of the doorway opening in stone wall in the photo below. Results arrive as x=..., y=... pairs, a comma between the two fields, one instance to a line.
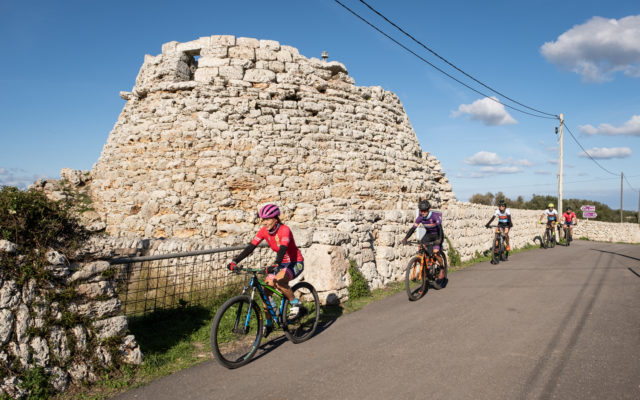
x=194, y=57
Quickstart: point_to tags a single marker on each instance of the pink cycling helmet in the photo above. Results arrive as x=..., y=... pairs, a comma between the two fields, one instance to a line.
x=269, y=211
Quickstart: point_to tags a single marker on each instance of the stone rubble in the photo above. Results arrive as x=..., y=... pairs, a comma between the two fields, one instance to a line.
x=34, y=328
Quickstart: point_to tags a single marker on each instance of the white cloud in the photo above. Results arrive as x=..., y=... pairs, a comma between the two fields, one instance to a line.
x=541, y=172
x=524, y=163
x=484, y=158
x=501, y=170
x=631, y=128
x=598, y=49
x=490, y=112
x=17, y=177
x=552, y=162
x=487, y=163
x=608, y=152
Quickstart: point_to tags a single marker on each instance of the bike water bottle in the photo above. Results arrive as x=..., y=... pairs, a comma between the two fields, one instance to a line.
x=274, y=305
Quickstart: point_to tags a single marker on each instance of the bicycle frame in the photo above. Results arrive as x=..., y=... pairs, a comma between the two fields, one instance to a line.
x=426, y=259
x=499, y=234
x=256, y=283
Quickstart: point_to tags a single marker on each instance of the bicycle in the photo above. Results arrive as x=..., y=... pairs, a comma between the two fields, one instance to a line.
x=498, y=247
x=549, y=238
x=422, y=268
x=236, y=331
x=568, y=237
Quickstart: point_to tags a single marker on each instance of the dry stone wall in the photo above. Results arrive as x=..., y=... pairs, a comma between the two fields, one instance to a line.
x=68, y=325
x=607, y=231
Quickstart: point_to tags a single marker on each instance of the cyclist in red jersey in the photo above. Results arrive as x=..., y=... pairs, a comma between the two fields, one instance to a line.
x=569, y=219
x=288, y=264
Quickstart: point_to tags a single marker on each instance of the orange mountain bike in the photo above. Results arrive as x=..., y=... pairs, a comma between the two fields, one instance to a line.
x=425, y=268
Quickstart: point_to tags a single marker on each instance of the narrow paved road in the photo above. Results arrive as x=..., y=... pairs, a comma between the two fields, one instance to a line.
x=562, y=323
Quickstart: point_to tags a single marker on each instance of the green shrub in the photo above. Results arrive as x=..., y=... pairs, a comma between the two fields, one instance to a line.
x=453, y=255
x=36, y=382
x=359, y=286
x=35, y=223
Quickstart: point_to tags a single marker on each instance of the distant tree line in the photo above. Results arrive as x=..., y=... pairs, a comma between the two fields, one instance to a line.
x=538, y=202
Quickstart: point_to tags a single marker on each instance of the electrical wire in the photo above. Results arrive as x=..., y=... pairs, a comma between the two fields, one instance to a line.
x=629, y=183
x=585, y=151
x=549, y=115
x=451, y=64
x=435, y=67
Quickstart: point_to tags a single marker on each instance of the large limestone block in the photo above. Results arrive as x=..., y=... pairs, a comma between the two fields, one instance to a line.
x=326, y=267
x=259, y=75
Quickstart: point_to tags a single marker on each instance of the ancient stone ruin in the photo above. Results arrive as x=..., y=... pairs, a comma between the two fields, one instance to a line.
x=216, y=127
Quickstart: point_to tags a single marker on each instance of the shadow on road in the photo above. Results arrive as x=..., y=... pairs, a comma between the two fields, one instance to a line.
x=328, y=315
x=617, y=254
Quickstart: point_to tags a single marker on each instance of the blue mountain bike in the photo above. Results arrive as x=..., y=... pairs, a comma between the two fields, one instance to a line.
x=237, y=327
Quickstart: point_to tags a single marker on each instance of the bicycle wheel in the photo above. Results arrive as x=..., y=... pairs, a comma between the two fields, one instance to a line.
x=569, y=238
x=441, y=283
x=414, y=280
x=236, y=332
x=495, y=259
x=552, y=240
x=545, y=242
x=303, y=326
x=502, y=250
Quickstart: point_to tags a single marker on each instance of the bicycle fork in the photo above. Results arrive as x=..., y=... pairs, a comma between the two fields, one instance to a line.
x=245, y=327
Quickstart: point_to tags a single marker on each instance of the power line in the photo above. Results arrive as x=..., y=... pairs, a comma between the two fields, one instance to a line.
x=628, y=183
x=435, y=67
x=451, y=64
x=586, y=152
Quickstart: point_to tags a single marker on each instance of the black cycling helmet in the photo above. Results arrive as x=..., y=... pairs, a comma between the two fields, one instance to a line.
x=502, y=203
x=424, y=205
x=568, y=208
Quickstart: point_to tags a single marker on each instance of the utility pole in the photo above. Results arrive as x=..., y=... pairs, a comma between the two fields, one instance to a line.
x=560, y=165
x=621, y=177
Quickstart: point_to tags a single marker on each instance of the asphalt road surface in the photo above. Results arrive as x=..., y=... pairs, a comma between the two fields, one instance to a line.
x=561, y=323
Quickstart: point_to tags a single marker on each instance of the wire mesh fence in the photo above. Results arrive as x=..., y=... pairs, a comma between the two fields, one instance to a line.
x=150, y=283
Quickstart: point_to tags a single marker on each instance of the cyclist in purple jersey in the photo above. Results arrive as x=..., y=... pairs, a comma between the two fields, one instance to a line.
x=433, y=225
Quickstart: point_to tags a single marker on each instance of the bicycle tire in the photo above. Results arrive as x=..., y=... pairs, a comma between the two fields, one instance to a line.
x=545, y=241
x=415, y=280
x=569, y=237
x=552, y=240
x=441, y=283
x=494, y=255
x=502, y=250
x=231, y=347
x=300, y=329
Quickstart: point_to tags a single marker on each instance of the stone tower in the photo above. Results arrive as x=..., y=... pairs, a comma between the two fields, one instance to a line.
x=218, y=126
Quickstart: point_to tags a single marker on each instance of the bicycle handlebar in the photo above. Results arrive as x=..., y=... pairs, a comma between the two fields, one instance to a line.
x=240, y=268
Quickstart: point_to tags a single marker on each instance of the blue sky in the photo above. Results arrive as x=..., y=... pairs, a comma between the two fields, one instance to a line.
x=64, y=64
